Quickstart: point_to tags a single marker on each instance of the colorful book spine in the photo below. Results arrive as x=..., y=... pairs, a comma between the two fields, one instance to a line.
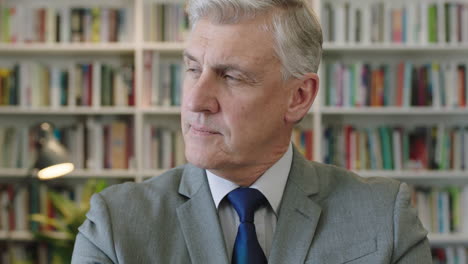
x=440, y=209
x=165, y=148
x=168, y=22
x=397, y=148
x=410, y=22
x=402, y=84
x=62, y=24
x=162, y=80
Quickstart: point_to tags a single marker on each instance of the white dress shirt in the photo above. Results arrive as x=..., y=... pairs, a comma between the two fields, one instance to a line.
x=271, y=184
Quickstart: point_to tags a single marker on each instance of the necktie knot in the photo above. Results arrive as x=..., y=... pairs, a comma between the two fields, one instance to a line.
x=246, y=201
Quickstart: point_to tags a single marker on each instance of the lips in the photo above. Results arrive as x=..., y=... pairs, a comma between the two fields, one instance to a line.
x=202, y=130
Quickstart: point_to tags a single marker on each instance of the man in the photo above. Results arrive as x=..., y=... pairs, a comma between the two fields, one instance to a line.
x=251, y=76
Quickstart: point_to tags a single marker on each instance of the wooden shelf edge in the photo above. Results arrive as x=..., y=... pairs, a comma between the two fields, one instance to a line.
x=104, y=173
x=26, y=235
x=78, y=110
x=164, y=110
x=444, y=239
x=394, y=47
x=392, y=110
x=164, y=46
x=111, y=47
x=416, y=174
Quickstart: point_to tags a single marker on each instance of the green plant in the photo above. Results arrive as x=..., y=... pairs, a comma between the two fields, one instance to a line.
x=71, y=216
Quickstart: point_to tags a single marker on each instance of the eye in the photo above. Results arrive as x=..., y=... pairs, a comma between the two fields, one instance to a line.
x=193, y=70
x=230, y=77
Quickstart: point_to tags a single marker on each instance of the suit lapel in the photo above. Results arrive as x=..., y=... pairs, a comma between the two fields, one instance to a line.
x=298, y=215
x=199, y=220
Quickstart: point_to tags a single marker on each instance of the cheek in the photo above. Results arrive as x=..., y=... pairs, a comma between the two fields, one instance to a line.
x=185, y=86
x=244, y=120
x=237, y=118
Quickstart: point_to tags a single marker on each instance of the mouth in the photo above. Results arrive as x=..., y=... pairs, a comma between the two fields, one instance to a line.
x=202, y=130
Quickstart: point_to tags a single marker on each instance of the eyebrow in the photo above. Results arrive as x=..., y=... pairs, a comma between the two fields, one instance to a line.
x=219, y=68
x=189, y=56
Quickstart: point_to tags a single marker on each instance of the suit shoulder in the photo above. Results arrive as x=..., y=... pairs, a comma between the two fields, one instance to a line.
x=335, y=178
x=157, y=186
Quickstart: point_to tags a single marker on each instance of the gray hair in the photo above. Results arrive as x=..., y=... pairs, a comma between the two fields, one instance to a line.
x=296, y=29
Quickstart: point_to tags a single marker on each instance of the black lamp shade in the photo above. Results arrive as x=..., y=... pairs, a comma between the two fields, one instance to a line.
x=52, y=158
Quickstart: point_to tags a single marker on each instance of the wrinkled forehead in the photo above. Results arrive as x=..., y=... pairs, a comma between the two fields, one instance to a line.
x=229, y=12
x=244, y=42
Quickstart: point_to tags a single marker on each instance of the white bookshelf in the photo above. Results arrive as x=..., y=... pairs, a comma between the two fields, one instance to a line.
x=79, y=173
x=25, y=235
x=394, y=48
x=386, y=51
x=411, y=111
x=16, y=236
x=444, y=239
x=68, y=48
x=420, y=176
x=164, y=47
x=170, y=110
x=78, y=110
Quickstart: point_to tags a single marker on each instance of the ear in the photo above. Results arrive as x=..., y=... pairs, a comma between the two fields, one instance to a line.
x=303, y=95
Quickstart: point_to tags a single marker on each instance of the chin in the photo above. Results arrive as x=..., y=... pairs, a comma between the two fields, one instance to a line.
x=202, y=162
x=201, y=158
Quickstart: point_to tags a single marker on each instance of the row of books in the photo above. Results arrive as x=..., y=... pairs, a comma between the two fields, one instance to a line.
x=100, y=144
x=450, y=255
x=30, y=253
x=33, y=84
x=93, y=144
x=438, y=147
x=23, y=23
x=166, y=22
x=162, y=83
x=410, y=22
x=404, y=84
x=20, y=253
x=12, y=151
x=303, y=139
x=164, y=147
x=30, y=199
x=442, y=210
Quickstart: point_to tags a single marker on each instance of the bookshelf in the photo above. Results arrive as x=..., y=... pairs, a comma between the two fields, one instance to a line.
x=392, y=48
x=441, y=240
x=383, y=34
x=140, y=41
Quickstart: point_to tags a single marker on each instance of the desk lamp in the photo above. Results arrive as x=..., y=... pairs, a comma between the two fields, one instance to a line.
x=52, y=159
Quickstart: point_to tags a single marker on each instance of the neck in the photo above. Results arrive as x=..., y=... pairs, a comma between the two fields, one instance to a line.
x=247, y=175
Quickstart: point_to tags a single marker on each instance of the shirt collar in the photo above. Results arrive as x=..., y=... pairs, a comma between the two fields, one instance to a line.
x=271, y=183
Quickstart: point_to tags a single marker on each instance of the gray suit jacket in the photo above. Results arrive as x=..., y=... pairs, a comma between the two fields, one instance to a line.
x=327, y=216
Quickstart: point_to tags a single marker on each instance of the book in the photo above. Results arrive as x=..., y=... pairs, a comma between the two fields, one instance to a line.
x=168, y=22
x=434, y=22
x=118, y=144
x=62, y=23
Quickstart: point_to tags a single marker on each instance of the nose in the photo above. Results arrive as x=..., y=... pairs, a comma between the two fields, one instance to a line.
x=201, y=95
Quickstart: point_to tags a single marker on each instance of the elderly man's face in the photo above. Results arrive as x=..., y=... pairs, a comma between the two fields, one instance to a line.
x=234, y=99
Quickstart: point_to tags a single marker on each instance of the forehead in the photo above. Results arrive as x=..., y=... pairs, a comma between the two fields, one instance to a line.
x=245, y=43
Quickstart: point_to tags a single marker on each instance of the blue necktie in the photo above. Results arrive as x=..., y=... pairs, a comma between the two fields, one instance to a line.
x=247, y=250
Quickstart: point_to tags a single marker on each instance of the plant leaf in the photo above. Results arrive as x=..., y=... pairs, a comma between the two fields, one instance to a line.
x=74, y=214
x=92, y=186
x=48, y=221
x=64, y=205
